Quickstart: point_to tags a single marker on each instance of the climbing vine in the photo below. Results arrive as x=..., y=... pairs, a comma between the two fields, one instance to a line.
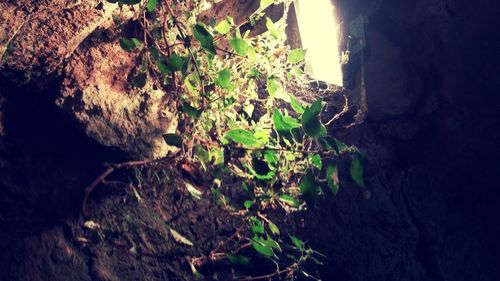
x=238, y=122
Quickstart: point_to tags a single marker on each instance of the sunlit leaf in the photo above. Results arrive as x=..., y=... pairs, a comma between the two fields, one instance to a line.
x=296, y=55
x=223, y=27
x=315, y=160
x=289, y=200
x=258, y=226
x=296, y=105
x=244, y=137
x=272, y=29
x=173, y=139
x=357, y=172
x=264, y=250
x=265, y=3
x=274, y=228
x=309, y=188
x=240, y=46
x=271, y=157
x=311, y=122
x=224, y=78
x=272, y=85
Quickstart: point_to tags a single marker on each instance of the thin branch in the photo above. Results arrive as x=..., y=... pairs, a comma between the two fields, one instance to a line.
x=113, y=167
x=268, y=276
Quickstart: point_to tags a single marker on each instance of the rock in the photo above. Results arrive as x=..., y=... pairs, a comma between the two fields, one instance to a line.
x=39, y=36
x=46, y=256
x=387, y=91
x=97, y=94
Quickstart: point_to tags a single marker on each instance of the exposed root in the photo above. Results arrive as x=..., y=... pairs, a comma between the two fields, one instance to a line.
x=113, y=167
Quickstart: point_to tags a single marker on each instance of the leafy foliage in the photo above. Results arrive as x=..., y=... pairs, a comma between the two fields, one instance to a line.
x=238, y=119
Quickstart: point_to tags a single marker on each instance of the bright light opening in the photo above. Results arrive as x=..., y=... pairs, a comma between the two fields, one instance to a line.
x=319, y=33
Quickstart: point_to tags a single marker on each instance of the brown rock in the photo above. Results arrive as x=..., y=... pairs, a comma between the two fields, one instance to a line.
x=36, y=37
x=97, y=94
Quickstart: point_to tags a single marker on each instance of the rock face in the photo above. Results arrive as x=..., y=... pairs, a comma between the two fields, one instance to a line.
x=48, y=38
x=96, y=93
x=39, y=36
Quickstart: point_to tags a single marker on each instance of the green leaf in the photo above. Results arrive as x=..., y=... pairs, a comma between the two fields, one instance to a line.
x=296, y=71
x=332, y=176
x=271, y=157
x=258, y=226
x=139, y=81
x=296, y=105
x=269, y=241
x=265, y=3
x=331, y=143
x=238, y=259
x=162, y=67
x=244, y=137
x=173, y=139
x=129, y=44
x=248, y=204
x=310, y=120
x=309, y=188
x=289, y=200
x=205, y=38
x=264, y=250
x=272, y=28
x=175, y=62
x=155, y=54
x=299, y=244
x=357, y=172
x=274, y=229
x=315, y=160
x=151, y=5
x=296, y=55
x=202, y=154
x=223, y=27
x=272, y=85
x=280, y=125
x=240, y=46
x=191, y=111
x=224, y=78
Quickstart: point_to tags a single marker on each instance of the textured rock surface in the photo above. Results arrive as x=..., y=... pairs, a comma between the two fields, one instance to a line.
x=38, y=36
x=97, y=94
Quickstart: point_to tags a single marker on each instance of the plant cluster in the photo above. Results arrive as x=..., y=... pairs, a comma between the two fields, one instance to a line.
x=237, y=119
